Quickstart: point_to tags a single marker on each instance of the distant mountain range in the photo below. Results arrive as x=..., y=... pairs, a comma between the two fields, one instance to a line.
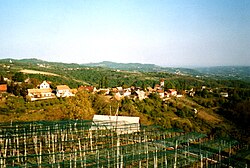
x=221, y=72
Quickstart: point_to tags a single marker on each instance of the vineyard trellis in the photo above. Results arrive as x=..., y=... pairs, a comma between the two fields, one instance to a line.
x=75, y=143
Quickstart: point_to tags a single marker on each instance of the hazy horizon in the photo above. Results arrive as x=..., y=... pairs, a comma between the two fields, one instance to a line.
x=173, y=66
x=166, y=33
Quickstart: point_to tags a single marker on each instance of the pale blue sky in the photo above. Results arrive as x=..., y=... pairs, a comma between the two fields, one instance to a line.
x=163, y=32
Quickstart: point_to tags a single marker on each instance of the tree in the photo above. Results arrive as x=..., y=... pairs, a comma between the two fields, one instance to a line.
x=169, y=85
x=79, y=107
x=18, y=77
x=2, y=80
x=35, y=82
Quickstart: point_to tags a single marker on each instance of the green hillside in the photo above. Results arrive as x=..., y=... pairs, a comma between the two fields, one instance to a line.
x=217, y=115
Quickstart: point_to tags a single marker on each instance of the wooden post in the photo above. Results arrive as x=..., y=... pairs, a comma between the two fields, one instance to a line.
x=5, y=152
x=201, y=159
x=155, y=159
x=175, y=155
x=70, y=163
x=40, y=155
x=91, y=143
x=35, y=146
x=75, y=157
x=53, y=148
x=108, y=160
x=166, y=161
x=80, y=150
x=84, y=155
x=25, y=152
x=17, y=148
x=118, y=151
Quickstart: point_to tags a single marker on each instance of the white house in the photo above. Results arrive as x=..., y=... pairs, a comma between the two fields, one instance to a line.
x=127, y=92
x=141, y=94
x=160, y=93
x=63, y=91
x=44, y=85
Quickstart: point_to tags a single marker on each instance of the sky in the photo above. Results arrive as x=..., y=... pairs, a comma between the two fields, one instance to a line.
x=162, y=32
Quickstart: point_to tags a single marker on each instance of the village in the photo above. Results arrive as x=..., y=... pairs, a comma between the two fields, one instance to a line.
x=44, y=91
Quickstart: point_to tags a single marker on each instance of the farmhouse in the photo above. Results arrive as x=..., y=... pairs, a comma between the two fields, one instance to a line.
x=36, y=94
x=63, y=91
x=44, y=92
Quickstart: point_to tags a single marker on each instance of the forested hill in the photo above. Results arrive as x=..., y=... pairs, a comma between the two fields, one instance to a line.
x=131, y=66
x=143, y=67
x=227, y=72
x=217, y=72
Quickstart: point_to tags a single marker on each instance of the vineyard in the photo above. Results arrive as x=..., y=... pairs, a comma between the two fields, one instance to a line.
x=84, y=143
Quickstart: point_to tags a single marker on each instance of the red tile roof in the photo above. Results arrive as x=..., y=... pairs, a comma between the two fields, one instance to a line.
x=3, y=87
x=87, y=88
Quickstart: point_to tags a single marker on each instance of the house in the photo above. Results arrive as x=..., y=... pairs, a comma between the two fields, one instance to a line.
x=140, y=94
x=90, y=89
x=150, y=89
x=117, y=96
x=157, y=87
x=172, y=92
x=162, y=83
x=74, y=91
x=3, y=87
x=167, y=94
x=127, y=92
x=44, y=85
x=114, y=90
x=44, y=92
x=160, y=93
x=63, y=91
x=120, y=90
x=103, y=91
x=39, y=94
